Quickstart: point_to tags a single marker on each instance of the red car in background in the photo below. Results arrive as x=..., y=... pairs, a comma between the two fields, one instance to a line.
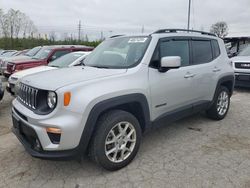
x=46, y=55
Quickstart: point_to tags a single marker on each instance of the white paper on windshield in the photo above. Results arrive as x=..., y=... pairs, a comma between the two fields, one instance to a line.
x=137, y=40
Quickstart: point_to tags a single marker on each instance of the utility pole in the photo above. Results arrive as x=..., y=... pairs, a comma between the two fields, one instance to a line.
x=101, y=35
x=189, y=7
x=79, y=30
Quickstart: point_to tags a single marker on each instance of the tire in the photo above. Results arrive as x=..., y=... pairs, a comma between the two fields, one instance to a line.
x=213, y=112
x=104, y=140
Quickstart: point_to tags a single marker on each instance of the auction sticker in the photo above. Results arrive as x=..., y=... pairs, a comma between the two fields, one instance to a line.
x=137, y=40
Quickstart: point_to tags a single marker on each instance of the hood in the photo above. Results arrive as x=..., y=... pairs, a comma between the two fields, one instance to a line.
x=26, y=60
x=17, y=58
x=34, y=70
x=241, y=59
x=55, y=79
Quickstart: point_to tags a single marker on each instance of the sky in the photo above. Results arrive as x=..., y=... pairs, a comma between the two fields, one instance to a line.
x=113, y=17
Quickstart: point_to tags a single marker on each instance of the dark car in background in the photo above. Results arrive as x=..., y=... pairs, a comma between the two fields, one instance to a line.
x=46, y=55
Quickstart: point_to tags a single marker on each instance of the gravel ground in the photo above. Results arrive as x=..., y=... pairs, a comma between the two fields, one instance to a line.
x=194, y=152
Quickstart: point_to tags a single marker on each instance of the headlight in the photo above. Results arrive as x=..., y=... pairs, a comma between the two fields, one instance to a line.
x=51, y=99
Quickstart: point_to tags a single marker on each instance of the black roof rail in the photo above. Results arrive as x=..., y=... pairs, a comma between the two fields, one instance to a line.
x=183, y=30
x=114, y=36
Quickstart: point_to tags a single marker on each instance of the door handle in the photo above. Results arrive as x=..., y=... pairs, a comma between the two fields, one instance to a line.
x=189, y=75
x=216, y=69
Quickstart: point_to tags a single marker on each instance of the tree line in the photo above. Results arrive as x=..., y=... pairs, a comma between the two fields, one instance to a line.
x=17, y=31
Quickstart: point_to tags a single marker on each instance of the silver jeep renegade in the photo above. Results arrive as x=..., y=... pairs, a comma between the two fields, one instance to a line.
x=127, y=85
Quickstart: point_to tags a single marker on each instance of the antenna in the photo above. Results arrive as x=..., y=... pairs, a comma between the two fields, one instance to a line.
x=189, y=7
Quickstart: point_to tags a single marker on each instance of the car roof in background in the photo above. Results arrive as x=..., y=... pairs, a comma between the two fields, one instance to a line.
x=67, y=47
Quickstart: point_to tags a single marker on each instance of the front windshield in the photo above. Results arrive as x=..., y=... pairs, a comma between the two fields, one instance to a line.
x=121, y=52
x=33, y=51
x=65, y=60
x=8, y=54
x=42, y=54
x=245, y=52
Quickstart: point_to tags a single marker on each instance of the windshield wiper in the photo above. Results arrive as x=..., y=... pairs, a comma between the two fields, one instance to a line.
x=53, y=66
x=100, y=67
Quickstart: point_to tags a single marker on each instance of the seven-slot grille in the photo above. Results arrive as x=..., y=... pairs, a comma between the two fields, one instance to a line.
x=28, y=95
x=240, y=65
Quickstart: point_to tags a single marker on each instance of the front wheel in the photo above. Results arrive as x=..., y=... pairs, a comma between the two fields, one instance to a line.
x=116, y=140
x=220, y=105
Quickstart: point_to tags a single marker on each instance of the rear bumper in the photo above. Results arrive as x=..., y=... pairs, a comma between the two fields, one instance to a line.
x=29, y=139
x=242, y=79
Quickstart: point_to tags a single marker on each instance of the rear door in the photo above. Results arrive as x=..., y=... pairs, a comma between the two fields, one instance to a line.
x=204, y=63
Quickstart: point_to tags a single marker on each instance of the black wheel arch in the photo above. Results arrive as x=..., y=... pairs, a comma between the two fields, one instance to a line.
x=136, y=104
x=228, y=82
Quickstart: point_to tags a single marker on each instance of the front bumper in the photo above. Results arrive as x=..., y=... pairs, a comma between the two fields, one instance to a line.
x=70, y=123
x=242, y=79
x=30, y=140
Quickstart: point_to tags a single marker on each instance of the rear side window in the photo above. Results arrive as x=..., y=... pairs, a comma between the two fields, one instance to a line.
x=176, y=48
x=60, y=53
x=202, y=51
x=216, y=48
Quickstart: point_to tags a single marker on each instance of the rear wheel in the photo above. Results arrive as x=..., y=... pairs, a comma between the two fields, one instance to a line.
x=221, y=104
x=116, y=140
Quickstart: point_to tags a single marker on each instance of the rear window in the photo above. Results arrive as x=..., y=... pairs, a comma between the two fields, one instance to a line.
x=216, y=48
x=202, y=51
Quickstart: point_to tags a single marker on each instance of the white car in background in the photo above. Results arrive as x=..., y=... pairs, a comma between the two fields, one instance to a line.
x=241, y=64
x=68, y=60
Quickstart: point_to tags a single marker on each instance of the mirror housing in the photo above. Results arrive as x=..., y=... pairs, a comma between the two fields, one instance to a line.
x=170, y=62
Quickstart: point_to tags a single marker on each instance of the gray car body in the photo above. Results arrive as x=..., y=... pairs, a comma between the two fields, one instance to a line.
x=162, y=93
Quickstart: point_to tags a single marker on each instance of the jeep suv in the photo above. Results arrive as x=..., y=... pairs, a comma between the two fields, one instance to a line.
x=241, y=64
x=126, y=86
x=46, y=55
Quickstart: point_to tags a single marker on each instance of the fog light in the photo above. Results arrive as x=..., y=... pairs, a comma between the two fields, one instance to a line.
x=54, y=134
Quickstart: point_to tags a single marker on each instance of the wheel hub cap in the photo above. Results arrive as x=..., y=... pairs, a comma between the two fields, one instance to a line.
x=120, y=142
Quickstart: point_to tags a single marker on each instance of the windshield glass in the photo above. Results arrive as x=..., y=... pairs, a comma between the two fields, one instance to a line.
x=8, y=54
x=33, y=51
x=122, y=52
x=65, y=60
x=42, y=54
x=245, y=52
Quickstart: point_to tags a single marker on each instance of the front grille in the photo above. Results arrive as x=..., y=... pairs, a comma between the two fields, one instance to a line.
x=27, y=95
x=242, y=65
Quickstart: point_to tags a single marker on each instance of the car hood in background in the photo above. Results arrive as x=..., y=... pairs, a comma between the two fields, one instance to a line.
x=55, y=79
x=30, y=71
x=241, y=59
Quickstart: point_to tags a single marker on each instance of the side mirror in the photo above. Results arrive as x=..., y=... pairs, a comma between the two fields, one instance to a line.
x=170, y=62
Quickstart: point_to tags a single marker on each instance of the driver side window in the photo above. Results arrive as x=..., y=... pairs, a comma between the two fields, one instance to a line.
x=171, y=48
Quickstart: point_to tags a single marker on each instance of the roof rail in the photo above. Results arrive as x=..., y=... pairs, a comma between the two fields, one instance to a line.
x=182, y=30
x=114, y=36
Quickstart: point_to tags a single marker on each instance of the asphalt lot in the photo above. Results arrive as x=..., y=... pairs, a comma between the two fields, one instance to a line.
x=194, y=152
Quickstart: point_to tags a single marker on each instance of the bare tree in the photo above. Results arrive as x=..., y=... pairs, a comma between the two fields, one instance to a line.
x=52, y=36
x=14, y=23
x=220, y=29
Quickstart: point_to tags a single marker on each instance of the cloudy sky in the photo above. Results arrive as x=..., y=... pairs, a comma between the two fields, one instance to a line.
x=128, y=16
